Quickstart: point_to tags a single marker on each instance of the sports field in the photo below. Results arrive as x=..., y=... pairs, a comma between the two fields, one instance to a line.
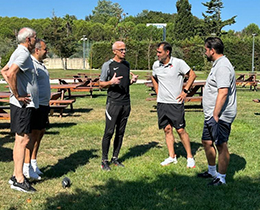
x=72, y=148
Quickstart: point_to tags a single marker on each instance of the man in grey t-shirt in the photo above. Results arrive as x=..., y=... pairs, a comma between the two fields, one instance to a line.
x=168, y=76
x=220, y=107
x=20, y=75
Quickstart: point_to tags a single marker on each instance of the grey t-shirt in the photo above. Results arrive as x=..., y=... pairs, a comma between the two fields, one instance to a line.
x=170, y=79
x=43, y=80
x=26, y=77
x=222, y=75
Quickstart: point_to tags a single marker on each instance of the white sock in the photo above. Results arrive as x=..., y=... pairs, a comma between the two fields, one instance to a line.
x=26, y=166
x=33, y=161
x=222, y=177
x=212, y=170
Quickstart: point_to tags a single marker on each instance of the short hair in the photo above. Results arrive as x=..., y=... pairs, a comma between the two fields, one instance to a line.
x=215, y=43
x=25, y=33
x=166, y=46
x=38, y=44
x=116, y=43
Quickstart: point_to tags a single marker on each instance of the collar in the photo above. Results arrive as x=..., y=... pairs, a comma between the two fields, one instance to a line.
x=39, y=62
x=216, y=61
x=167, y=64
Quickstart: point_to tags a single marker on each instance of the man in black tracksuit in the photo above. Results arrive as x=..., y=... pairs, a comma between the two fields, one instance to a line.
x=115, y=75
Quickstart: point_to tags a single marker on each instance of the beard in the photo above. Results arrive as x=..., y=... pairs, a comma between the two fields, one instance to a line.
x=209, y=58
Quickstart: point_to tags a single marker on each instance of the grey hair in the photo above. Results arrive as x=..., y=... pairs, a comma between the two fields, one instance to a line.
x=38, y=44
x=116, y=43
x=25, y=33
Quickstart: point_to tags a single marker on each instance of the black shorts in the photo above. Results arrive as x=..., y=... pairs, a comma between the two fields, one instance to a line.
x=216, y=131
x=172, y=114
x=20, y=119
x=40, y=118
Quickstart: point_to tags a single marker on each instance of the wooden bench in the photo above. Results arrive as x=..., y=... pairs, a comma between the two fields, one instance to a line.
x=4, y=116
x=57, y=104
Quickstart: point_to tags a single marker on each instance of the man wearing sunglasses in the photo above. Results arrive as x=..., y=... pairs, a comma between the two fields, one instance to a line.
x=115, y=75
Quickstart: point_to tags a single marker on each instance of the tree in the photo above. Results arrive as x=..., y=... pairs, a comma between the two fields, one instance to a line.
x=104, y=10
x=251, y=29
x=59, y=36
x=212, y=22
x=184, y=22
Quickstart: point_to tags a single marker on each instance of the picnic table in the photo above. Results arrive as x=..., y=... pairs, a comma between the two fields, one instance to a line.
x=4, y=97
x=195, y=94
x=63, y=88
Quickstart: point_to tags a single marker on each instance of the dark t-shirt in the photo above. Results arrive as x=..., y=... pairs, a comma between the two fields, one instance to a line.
x=117, y=94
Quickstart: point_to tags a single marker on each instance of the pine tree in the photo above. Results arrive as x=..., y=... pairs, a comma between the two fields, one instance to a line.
x=184, y=22
x=212, y=22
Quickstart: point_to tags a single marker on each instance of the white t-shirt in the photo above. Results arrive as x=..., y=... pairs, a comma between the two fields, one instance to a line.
x=26, y=77
x=170, y=79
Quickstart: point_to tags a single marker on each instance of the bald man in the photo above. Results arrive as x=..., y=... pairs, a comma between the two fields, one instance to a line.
x=115, y=75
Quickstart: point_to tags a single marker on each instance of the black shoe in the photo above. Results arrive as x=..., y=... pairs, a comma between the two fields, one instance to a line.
x=216, y=182
x=116, y=162
x=105, y=165
x=12, y=180
x=205, y=175
x=23, y=187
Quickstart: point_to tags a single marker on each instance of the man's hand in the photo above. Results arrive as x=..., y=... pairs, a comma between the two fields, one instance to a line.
x=181, y=97
x=115, y=80
x=25, y=99
x=134, y=77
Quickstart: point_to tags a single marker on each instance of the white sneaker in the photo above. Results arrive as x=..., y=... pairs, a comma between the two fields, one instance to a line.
x=30, y=174
x=169, y=160
x=190, y=163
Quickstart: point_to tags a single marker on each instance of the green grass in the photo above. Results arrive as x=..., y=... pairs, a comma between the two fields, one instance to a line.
x=72, y=148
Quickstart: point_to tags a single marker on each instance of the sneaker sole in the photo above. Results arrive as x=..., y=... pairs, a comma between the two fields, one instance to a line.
x=10, y=182
x=20, y=189
x=191, y=167
x=169, y=163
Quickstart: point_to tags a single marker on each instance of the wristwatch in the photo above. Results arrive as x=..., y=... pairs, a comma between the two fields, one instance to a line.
x=185, y=91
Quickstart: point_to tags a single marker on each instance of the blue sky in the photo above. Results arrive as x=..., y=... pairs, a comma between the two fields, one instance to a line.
x=247, y=11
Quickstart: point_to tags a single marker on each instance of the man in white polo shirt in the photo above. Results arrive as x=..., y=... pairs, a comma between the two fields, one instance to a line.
x=168, y=77
x=20, y=75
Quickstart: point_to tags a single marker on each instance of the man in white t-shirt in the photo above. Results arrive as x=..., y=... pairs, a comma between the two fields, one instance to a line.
x=168, y=77
x=20, y=75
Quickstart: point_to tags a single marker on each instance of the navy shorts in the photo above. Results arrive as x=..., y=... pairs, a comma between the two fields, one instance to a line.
x=216, y=131
x=40, y=118
x=172, y=114
x=20, y=119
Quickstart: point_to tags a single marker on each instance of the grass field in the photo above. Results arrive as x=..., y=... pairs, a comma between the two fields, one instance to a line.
x=72, y=148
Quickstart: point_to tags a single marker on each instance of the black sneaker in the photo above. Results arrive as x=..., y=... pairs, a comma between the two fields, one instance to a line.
x=216, y=182
x=116, y=162
x=12, y=180
x=105, y=165
x=205, y=175
x=23, y=187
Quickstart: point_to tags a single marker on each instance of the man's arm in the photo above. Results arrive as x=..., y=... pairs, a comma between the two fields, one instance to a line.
x=220, y=101
x=10, y=76
x=155, y=84
x=191, y=77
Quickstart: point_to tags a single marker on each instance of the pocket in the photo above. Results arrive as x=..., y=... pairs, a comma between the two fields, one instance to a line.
x=213, y=128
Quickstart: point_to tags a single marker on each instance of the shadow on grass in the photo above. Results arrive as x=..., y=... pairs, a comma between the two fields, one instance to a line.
x=68, y=164
x=138, y=150
x=180, y=150
x=6, y=154
x=165, y=191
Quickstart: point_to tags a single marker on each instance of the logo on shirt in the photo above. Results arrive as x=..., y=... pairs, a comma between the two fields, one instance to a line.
x=115, y=68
